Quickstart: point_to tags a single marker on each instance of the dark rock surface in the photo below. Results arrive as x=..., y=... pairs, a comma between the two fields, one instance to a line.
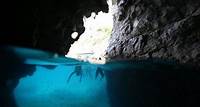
x=166, y=29
x=45, y=24
x=12, y=69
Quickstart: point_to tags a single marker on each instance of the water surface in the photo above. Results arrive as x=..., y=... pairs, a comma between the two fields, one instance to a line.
x=130, y=83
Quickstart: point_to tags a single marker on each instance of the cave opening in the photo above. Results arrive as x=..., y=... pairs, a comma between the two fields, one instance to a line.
x=92, y=44
x=157, y=40
x=86, y=90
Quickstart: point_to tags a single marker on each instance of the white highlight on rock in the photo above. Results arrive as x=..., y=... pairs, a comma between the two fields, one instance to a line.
x=135, y=23
x=74, y=35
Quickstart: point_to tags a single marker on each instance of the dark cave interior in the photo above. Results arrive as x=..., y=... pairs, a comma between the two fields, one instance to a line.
x=48, y=25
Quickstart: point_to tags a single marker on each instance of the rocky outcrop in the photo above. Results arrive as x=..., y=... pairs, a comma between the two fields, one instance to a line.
x=45, y=24
x=166, y=29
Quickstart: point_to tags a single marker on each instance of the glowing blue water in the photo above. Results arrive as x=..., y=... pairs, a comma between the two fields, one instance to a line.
x=131, y=83
x=50, y=88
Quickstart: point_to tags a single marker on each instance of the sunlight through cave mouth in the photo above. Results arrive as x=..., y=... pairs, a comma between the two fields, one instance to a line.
x=92, y=44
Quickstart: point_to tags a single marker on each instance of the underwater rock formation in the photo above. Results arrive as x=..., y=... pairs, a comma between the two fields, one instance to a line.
x=12, y=69
x=152, y=84
x=166, y=29
x=45, y=24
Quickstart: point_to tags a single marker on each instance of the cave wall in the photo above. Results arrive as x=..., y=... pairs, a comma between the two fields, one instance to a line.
x=45, y=24
x=166, y=29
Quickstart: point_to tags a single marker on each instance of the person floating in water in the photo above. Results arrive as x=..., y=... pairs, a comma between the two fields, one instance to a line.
x=99, y=72
x=78, y=71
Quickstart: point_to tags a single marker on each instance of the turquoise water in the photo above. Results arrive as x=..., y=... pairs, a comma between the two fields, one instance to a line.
x=130, y=83
x=50, y=88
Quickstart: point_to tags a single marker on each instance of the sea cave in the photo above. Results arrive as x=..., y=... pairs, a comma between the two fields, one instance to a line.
x=100, y=53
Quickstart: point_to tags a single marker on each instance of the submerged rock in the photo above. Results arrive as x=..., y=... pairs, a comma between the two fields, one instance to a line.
x=152, y=84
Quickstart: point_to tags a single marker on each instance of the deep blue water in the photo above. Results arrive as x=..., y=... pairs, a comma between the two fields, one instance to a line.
x=130, y=83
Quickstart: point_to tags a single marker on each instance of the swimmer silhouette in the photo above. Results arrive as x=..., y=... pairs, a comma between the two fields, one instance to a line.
x=99, y=72
x=78, y=71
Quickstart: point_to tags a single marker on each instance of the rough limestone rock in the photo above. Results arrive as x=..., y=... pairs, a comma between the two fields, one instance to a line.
x=166, y=29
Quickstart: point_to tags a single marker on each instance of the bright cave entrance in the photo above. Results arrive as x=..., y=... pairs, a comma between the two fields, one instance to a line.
x=74, y=84
x=93, y=42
